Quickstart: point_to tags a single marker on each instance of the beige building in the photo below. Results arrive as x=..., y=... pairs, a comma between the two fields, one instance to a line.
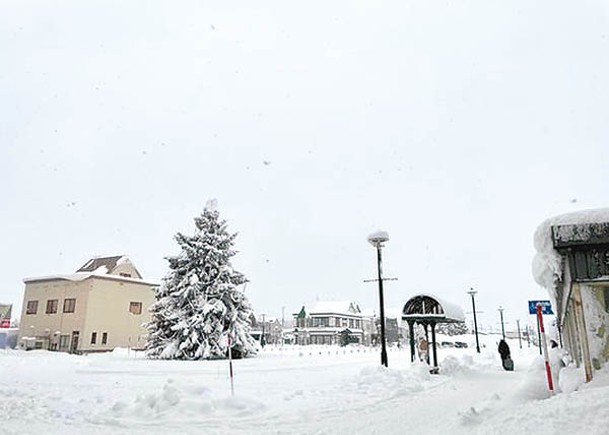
x=102, y=306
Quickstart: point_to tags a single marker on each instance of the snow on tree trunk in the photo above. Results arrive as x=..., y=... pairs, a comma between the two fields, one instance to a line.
x=199, y=302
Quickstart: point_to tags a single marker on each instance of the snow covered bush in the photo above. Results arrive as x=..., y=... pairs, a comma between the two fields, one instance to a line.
x=199, y=307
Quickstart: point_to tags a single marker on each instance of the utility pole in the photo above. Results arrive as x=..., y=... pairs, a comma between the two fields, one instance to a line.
x=500, y=309
x=262, y=340
x=519, y=339
x=472, y=292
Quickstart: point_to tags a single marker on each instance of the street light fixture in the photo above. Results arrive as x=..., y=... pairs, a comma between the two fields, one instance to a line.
x=472, y=292
x=377, y=239
x=500, y=309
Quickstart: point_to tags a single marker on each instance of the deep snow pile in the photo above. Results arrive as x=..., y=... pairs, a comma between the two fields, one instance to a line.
x=295, y=390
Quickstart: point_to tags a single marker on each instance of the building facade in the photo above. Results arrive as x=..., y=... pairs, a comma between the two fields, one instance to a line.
x=572, y=263
x=102, y=306
x=329, y=323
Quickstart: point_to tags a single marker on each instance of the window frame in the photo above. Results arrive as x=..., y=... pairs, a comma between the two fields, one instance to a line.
x=69, y=305
x=31, y=308
x=52, y=306
x=138, y=308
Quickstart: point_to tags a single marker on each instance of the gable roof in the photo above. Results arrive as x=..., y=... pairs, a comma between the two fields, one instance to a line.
x=97, y=262
x=106, y=265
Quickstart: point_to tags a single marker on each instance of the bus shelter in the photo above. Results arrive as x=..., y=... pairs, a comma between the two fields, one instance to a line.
x=428, y=311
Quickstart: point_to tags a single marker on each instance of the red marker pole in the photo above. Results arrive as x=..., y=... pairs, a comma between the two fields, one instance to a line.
x=545, y=349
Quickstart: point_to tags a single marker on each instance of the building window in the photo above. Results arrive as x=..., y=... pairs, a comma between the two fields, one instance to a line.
x=135, y=307
x=64, y=342
x=104, y=338
x=52, y=306
x=126, y=275
x=32, y=307
x=69, y=305
x=93, y=337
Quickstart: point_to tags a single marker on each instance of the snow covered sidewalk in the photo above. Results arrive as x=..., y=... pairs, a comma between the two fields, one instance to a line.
x=307, y=390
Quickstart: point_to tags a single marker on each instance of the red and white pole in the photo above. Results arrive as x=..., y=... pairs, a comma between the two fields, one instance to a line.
x=545, y=349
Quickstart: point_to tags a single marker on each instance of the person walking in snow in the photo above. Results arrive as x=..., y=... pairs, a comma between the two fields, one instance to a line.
x=423, y=349
x=504, y=351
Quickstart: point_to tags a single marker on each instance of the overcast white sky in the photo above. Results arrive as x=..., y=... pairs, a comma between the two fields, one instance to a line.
x=455, y=126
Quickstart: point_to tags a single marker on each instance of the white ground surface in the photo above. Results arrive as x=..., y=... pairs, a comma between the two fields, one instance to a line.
x=295, y=390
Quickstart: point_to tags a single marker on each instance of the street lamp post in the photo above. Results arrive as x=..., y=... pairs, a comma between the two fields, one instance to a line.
x=500, y=309
x=262, y=340
x=377, y=239
x=472, y=292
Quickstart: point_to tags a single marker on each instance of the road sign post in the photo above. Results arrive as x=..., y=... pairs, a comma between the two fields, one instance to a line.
x=538, y=308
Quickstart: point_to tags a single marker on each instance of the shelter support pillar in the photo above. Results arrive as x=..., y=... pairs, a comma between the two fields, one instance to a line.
x=425, y=325
x=433, y=341
x=411, y=339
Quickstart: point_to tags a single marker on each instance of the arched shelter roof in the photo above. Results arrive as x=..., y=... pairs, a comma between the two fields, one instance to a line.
x=429, y=308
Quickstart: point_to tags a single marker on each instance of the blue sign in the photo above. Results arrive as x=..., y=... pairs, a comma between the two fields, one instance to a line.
x=546, y=307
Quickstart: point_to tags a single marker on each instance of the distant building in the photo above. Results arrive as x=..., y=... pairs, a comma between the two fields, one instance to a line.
x=5, y=315
x=371, y=323
x=101, y=306
x=329, y=322
x=266, y=330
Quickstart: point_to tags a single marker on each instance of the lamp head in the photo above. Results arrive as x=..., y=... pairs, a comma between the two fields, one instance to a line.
x=378, y=238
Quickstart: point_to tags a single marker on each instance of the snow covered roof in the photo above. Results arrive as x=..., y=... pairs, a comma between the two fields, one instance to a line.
x=107, y=265
x=335, y=307
x=427, y=306
x=81, y=276
x=587, y=226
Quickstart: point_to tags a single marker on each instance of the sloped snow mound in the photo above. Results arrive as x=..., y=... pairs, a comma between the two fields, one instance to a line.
x=176, y=402
x=452, y=365
x=379, y=381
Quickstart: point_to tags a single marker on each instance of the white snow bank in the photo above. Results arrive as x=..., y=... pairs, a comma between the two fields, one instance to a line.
x=180, y=402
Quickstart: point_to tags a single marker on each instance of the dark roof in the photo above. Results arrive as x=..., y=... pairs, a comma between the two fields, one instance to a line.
x=592, y=233
x=95, y=263
x=302, y=313
x=425, y=308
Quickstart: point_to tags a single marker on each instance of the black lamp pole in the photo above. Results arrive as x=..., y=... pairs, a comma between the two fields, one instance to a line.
x=382, y=304
x=472, y=292
x=377, y=239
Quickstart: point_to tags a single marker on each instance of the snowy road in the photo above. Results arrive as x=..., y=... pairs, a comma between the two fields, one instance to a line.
x=289, y=391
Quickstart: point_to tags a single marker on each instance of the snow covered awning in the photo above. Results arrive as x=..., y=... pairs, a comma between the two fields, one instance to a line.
x=583, y=236
x=428, y=308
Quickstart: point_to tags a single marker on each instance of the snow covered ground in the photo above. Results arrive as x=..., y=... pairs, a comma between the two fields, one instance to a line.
x=296, y=390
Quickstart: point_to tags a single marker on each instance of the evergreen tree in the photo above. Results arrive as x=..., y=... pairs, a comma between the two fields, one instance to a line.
x=199, y=303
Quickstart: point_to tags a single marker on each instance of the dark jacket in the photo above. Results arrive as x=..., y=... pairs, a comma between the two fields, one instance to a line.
x=504, y=349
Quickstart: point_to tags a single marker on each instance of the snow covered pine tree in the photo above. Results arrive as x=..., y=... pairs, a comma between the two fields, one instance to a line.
x=199, y=303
